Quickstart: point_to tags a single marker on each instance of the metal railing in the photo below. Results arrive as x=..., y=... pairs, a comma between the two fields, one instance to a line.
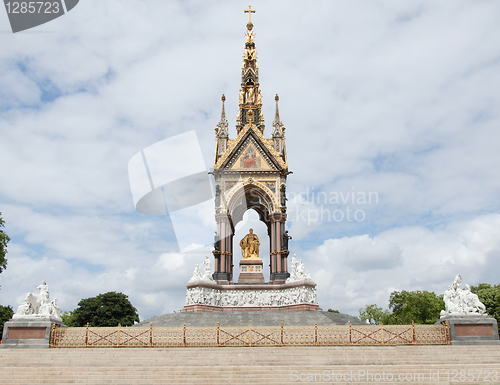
x=63, y=337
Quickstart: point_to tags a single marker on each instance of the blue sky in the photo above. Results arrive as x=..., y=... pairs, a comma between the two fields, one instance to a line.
x=397, y=98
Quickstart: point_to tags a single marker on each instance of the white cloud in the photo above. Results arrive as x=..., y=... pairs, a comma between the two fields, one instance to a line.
x=352, y=272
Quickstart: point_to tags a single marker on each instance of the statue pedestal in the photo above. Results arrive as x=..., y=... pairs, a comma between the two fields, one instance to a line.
x=251, y=271
x=472, y=329
x=32, y=332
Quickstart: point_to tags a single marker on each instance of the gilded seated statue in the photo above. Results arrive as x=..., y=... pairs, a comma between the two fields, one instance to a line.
x=250, y=246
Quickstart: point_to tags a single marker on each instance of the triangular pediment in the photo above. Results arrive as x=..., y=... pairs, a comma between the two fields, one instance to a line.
x=251, y=152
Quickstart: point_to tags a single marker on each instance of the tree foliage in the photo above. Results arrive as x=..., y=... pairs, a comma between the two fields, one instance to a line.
x=6, y=314
x=422, y=307
x=373, y=314
x=4, y=240
x=490, y=297
x=108, y=309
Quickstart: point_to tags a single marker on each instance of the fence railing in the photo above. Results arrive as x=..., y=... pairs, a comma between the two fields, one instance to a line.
x=62, y=337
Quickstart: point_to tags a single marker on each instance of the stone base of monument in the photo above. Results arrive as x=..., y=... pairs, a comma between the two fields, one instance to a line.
x=32, y=332
x=210, y=308
x=211, y=296
x=251, y=271
x=472, y=329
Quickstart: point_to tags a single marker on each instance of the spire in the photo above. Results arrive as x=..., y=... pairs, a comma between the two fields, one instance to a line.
x=223, y=126
x=278, y=131
x=250, y=97
x=277, y=125
x=222, y=132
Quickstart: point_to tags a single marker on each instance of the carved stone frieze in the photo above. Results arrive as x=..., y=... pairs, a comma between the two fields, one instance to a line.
x=200, y=295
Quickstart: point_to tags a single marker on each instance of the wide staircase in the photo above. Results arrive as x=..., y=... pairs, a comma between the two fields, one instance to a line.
x=253, y=365
x=255, y=318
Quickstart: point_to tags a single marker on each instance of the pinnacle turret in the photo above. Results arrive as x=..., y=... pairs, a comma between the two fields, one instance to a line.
x=277, y=125
x=222, y=131
x=250, y=97
x=223, y=126
x=278, y=131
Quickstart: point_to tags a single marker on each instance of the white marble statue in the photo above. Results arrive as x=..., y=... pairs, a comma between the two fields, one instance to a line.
x=289, y=296
x=37, y=305
x=203, y=275
x=461, y=302
x=297, y=271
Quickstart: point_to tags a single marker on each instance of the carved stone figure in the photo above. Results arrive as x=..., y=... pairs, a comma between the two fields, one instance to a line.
x=297, y=271
x=231, y=298
x=38, y=305
x=259, y=98
x=250, y=245
x=204, y=273
x=242, y=97
x=461, y=301
x=283, y=195
x=207, y=273
x=50, y=309
x=217, y=196
x=43, y=292
x=216, y=242
x=25, y=308
x=284, y=241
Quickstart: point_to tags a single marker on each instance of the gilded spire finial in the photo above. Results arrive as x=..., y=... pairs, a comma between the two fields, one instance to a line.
x=249, y=11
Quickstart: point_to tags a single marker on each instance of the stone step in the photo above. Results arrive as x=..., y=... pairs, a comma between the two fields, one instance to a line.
x=250, y=377
x=130, y=376
x=254, y=318
x=243, y=365
x=228, y=361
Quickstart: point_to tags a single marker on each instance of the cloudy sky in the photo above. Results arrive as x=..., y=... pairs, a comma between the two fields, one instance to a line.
x=392, y=122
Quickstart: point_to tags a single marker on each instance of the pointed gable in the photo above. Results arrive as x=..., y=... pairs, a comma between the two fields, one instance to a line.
x=251, y=151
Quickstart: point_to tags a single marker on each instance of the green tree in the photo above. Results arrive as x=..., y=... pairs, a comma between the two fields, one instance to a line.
x=4, y=240
x=108, y=309
x=373, y=314
x=422, y=307
x=66, y=317
x=6, y=314
x=490, y=297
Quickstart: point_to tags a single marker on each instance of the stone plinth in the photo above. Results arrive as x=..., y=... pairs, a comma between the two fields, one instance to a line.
x=28, y=332
x=210, y=296
x=472, y=329
x=251, y=271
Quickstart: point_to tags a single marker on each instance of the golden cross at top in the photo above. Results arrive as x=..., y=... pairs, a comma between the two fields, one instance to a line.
x=249, y=11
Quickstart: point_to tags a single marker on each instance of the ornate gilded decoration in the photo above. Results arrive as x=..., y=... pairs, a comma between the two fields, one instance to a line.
x=250, y=171
x=250, y=246
x=249, y=11
x=279, y=335
x=238, y=143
